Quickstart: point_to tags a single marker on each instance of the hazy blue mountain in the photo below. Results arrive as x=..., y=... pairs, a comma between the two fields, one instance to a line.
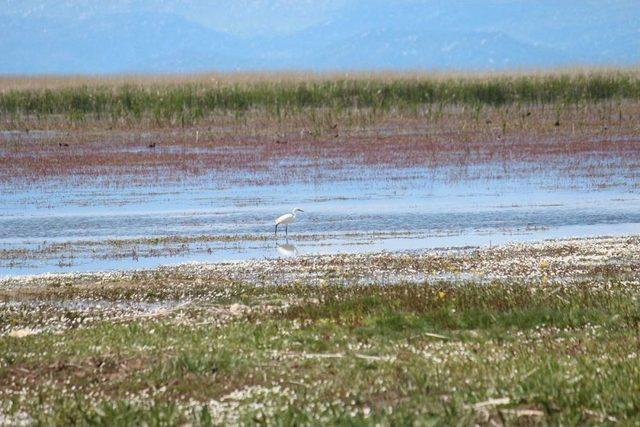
x=88, y=36
x=140, y=42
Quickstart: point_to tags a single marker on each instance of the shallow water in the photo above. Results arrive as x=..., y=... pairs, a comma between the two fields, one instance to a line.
x=354, y=215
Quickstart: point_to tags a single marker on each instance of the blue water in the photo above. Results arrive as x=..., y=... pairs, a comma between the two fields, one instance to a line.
x=346, y=216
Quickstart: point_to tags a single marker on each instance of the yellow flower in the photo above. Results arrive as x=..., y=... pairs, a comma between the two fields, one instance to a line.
x=441, y=295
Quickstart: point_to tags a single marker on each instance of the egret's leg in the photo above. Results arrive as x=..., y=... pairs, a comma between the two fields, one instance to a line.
x=276, y=232
x=286, y=230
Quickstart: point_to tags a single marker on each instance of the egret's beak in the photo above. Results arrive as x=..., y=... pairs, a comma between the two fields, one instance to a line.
x=300, y=210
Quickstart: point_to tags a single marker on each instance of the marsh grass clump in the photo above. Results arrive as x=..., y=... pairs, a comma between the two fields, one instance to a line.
x=466, y=305
x=184, y=103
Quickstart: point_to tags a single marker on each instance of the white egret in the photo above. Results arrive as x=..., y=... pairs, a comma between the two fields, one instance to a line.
x=287, y=219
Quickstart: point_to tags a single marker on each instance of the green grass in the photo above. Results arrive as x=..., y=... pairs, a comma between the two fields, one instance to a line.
x=552, y=339
x=394, y=354
x=189, y=102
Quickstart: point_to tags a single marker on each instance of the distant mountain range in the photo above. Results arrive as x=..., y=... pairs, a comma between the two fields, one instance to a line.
x=85, y=36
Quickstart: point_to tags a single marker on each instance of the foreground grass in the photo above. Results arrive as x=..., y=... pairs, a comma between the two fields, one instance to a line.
x=516, y=351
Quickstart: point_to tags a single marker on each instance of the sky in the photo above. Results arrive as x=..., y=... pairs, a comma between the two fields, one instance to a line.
x=123, y=36
x=239, y=17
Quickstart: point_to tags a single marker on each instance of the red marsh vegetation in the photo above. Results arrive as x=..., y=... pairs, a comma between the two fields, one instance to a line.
x=596, y=133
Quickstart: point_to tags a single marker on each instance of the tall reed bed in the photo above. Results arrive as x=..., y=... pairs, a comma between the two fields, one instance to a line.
x=188, y=101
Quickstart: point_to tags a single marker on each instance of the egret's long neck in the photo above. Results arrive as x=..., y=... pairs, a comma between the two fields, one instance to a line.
x=293, y=212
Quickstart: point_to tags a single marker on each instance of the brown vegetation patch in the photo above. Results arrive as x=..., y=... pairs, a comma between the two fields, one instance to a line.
x=594, y=140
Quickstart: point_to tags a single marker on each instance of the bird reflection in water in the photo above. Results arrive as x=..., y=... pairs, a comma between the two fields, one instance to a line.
x=286, y=250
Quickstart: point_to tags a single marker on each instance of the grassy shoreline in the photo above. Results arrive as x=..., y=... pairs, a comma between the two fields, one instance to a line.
x=541, y=333
x=238, y=129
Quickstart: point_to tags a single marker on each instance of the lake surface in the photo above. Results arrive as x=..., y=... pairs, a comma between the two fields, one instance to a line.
x=404, y=209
